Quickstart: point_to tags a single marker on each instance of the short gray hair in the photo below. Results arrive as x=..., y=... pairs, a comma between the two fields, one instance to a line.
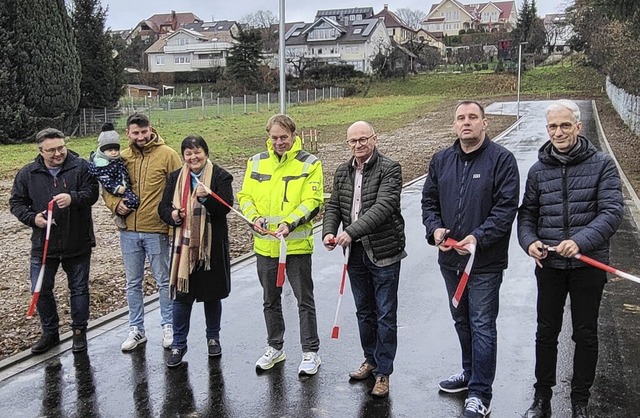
x=562, y=105
x=48, y=133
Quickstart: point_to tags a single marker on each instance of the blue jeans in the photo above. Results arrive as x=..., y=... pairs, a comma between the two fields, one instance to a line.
x=375, y=292
x=475, y=322
x=77, y=269
x=182, y=319
x=136, y=248
x=584, y=286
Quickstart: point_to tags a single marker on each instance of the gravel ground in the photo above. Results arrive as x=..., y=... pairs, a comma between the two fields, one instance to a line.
x=412, y=146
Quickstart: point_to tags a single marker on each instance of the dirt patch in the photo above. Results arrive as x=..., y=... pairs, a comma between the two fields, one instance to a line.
x=412, y=145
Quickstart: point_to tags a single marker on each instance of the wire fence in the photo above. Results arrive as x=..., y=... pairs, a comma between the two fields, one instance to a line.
x=163, y=109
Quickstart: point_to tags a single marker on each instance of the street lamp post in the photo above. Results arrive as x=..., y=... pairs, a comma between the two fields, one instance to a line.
x=519, y=65
x=283, y=81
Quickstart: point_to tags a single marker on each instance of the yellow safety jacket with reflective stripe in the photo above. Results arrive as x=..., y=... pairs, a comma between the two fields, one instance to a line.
x=283, y=190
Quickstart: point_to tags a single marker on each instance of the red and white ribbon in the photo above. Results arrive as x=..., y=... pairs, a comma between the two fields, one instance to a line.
x=602, y=266
x=462, y=284
x=282, y=262
x=335, y=332
x=38, y=287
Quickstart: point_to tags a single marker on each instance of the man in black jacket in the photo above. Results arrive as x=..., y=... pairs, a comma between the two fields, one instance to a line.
x=471, y=195
x=366, y=200
x=60, y=175
x=573, y=202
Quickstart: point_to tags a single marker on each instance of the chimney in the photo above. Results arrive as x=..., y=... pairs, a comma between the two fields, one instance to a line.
x=386, y=7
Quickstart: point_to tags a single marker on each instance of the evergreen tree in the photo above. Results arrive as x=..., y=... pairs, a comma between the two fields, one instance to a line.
x=49, y=67
x=14, y=116
x=529, y=28
x=243, y=64
x=101, y=83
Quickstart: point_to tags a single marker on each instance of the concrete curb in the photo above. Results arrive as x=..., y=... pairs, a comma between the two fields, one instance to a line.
x=634, y=208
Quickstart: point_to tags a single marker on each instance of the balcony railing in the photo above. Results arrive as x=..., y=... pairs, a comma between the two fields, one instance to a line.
x=208, y=63
x=200, y=47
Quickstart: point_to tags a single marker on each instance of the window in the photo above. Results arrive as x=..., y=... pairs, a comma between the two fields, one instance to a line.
x=352, y=17
x=159, y=59
x=182, y=59
x=183, y=41
x=390, y=32
x=357, y=31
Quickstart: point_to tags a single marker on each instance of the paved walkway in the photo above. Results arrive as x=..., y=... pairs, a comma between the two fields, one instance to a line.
x=108, y=383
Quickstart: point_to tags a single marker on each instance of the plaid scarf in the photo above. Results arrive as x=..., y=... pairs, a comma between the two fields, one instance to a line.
x=192, y=238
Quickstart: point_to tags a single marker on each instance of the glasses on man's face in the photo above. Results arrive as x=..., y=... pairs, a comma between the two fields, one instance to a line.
x=361, y=141
x=564, y=127
x=53, y=151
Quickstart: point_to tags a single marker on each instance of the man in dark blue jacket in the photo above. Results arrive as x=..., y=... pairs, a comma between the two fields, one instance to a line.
x=60, y=175
x=471, y=195
x=573, y=201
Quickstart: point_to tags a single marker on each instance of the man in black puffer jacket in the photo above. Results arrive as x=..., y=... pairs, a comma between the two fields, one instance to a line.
x=573, y=201
x=58, y=175
x=366, y=201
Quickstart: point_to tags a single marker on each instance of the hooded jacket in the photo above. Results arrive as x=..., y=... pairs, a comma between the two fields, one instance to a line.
x=581, y=200
x=283, y=190
x=473, y=194
x=149, y=169
x=34, y=186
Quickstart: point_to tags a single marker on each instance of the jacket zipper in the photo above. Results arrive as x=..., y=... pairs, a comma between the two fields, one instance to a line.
x=135, y=212
x=565, y=207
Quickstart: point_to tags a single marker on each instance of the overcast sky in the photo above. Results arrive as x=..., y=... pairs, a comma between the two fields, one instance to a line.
x=125, y=14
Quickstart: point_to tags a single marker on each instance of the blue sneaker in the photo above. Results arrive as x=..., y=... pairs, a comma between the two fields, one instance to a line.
x=475, y=408
x=455, y=383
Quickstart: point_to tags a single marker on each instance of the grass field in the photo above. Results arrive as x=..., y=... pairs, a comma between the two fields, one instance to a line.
x=388, y=105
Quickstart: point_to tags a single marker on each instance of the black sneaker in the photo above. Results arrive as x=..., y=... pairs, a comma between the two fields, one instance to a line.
x=455, y=383
x=579, y=410
x=45, y=343
x=79, y=340
x=175, y=358
x=214, y=347
x=540, y=408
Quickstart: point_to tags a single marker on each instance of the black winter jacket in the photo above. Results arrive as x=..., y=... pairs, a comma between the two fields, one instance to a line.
x=213, y=284
x=472, y=194
x=581, y=201
x=72, y=234
x=380, y=226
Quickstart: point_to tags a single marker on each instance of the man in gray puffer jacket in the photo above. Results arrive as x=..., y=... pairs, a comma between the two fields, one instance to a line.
x=366, y=201
x=573, y=202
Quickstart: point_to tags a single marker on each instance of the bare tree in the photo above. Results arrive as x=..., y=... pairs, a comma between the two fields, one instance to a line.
x=300, y=62
x=411, y=18
x=263, y=21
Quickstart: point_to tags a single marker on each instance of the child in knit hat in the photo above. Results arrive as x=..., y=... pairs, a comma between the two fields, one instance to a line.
x=107, y=166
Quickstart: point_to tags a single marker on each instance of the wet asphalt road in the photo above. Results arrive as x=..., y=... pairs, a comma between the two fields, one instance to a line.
x=108, y=383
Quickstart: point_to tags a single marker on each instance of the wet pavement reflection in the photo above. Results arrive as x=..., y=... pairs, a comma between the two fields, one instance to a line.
x=108, y=383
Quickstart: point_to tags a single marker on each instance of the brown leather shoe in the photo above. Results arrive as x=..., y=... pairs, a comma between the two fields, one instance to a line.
x=363, y=372
x=381, y=388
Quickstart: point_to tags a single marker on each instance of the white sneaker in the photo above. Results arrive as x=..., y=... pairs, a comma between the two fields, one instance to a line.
x=135, y=338
x=270, y=357
x=167, y=335
x=310, y=363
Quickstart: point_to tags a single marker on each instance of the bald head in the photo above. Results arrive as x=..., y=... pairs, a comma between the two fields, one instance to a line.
x=362, y=140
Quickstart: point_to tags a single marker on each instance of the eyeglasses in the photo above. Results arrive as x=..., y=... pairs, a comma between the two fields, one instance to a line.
x=565, y=127
x=361, y=141
x=53, y=151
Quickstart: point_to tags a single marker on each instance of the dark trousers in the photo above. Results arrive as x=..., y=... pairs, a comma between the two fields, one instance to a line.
x=77, y=269
x=584, y=286
x=375, y=292
x=299, y=277
x=475, y=323
x=182, y=319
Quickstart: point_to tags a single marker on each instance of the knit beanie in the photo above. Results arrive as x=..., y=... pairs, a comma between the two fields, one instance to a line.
x=108, y=138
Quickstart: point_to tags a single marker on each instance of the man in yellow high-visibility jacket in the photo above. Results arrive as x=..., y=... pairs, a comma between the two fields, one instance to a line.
x=282, y=192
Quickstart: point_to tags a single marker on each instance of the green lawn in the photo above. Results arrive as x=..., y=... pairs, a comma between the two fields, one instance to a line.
x=388, y=105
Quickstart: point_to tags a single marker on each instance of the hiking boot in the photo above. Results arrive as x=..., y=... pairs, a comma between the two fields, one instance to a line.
x=214, y=348
x=167, y=335
x=135, y=338
x=364, y=371
x=579, y=410
x=120, y=222
x=381, y=388
x=310, y=363
x=175, y=358
x=540, y=408
x=475, y=408
x=455, y=383
x=79, y=340
x=45, y=343
x=270, y=357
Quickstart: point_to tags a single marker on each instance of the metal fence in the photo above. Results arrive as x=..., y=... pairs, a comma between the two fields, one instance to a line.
x=162, y=109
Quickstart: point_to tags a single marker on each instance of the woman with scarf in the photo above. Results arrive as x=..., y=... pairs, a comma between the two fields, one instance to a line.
x=200, y=262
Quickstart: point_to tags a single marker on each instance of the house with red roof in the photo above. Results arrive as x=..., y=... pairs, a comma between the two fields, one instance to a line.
x=449, y=17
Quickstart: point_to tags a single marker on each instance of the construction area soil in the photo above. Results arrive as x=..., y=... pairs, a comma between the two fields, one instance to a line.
x=412, y=145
